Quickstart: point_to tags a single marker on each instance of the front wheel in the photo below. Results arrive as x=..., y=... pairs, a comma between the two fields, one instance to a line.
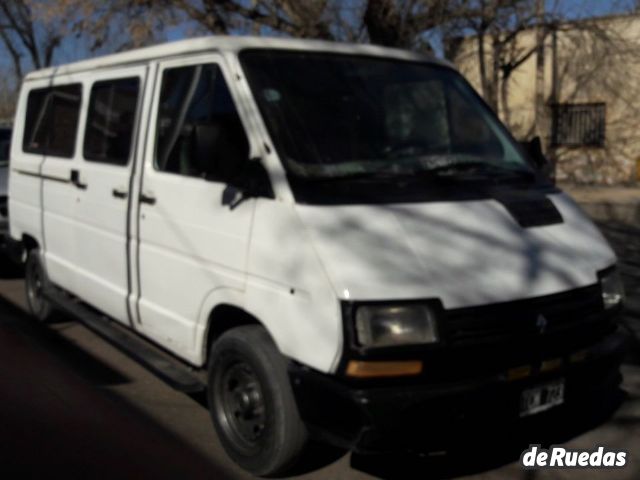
x=252, y=404
x=35, y=284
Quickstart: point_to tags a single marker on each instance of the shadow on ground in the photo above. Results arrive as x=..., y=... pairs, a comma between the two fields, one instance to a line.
x=71, y=355
x=9, y=270
x=493, y=446
x=625, y=240
x=54, y=421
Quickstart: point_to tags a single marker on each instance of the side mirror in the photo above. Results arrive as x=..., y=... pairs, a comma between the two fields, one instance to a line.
x=533, y=148
x=253, y=182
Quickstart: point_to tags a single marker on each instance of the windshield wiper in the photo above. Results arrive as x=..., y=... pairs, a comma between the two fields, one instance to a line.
x=451, y=171
x=373, y=175
x=482, y=168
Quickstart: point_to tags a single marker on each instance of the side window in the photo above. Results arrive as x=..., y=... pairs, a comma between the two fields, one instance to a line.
x=199, y=132
x=51, y=121
x=110, y=121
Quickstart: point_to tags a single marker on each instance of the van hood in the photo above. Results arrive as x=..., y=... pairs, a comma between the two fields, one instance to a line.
x=465, y=253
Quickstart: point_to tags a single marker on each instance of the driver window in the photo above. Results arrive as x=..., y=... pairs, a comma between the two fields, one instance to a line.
x=199, y=132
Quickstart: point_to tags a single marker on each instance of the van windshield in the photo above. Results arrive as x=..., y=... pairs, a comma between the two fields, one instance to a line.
x=339, y=116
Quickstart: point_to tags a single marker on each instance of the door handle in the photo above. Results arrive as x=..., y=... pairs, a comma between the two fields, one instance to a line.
x=119, y=193
x=148, y=199
x=75, y=179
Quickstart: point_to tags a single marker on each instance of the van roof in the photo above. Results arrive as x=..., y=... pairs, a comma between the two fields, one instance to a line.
x=226, y=43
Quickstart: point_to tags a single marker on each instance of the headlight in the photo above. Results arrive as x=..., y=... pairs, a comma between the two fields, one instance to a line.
x=612, y=288
x=384, y=326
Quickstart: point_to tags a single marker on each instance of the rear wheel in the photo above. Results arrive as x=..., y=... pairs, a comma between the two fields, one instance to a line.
x=35, y=284
x=252, y=404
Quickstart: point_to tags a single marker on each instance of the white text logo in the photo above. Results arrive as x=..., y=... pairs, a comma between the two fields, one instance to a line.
x=559, y=457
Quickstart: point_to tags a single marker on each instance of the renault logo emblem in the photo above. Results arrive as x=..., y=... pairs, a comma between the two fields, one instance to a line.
x=541, y=323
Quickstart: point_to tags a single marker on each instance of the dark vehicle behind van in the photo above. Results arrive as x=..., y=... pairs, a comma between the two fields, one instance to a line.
x=5, y=140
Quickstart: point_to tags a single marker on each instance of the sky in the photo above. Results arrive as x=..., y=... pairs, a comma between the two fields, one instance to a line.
x=589, y=8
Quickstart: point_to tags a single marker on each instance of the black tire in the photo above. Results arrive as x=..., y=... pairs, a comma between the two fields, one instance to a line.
x=252, y=404
x=36, y=281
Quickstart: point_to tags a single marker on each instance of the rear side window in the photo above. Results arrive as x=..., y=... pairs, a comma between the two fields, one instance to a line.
x=199, y=131
x=110, y=121
x=51, y=122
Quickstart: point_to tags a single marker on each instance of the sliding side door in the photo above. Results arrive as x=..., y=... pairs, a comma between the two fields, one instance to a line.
x=102, y=180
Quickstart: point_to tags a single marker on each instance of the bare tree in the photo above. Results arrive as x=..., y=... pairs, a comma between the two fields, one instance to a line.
x=30, y=43
x=497, y=27
x=398, y=23
x=304, y=19
x=7, y=97
x=115, y=25
x=403, y=23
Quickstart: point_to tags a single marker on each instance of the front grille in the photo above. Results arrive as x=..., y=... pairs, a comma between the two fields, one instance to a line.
x=578, y=311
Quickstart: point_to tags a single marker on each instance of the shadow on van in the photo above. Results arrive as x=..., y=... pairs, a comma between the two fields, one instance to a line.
x=491, y=446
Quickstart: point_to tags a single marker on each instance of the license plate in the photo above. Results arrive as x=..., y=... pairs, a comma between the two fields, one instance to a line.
x=541, y=398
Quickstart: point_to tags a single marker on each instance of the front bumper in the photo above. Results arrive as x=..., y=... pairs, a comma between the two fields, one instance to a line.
x=422, y=417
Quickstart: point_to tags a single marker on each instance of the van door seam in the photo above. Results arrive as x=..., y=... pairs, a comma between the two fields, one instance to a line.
x=134, y=163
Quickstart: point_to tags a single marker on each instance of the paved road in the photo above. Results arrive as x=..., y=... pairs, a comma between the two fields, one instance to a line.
x=72, y=404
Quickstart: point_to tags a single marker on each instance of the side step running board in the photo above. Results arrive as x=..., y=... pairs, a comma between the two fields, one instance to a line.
x=174, y=372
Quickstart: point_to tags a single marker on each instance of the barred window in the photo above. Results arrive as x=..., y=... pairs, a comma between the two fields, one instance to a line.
x=578, y=124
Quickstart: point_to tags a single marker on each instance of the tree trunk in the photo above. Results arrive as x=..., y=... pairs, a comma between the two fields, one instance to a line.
x=484, y=82
x=496, y=57
x=384, y=24
x=504, y=99
x=15, y=56
x=540, y=116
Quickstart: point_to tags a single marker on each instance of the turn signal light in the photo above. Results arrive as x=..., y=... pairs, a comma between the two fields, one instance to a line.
x=517, y=373
x=551, y=364
x=579, y=356
x=363, y=369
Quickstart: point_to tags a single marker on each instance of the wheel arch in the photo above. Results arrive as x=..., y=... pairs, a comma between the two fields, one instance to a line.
x=222, y=310
x=223, y=318
x=29, y=242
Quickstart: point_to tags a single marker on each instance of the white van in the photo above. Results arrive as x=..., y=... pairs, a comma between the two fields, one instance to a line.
x=336, y=241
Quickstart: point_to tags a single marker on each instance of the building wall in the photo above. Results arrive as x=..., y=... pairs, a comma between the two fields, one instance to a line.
x=595, y=62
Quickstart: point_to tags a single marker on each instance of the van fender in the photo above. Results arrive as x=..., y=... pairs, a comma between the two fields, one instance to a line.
x=234, y=297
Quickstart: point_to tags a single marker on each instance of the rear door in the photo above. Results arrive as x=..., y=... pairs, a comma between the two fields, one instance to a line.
x=51, y=127
x=191, y=240
x=102, y=181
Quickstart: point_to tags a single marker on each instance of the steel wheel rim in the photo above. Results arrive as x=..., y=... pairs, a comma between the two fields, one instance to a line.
x=240, y=406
